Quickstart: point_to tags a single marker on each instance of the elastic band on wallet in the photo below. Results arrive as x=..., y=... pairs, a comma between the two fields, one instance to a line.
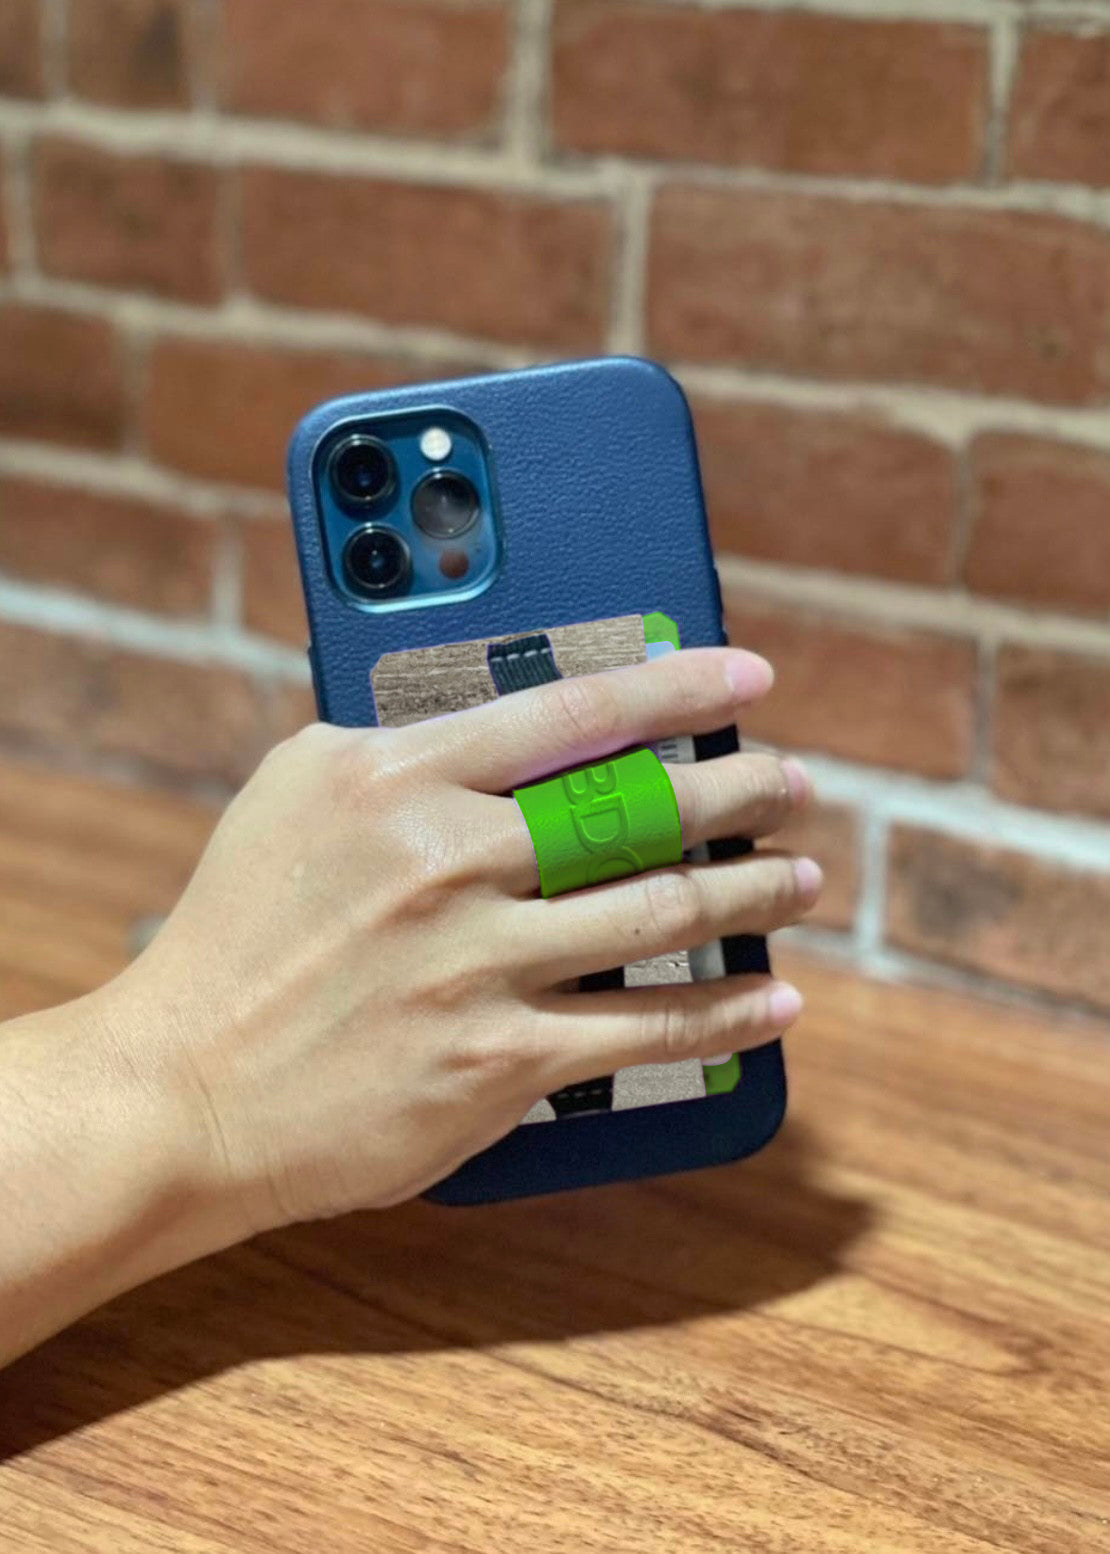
x=602, y=822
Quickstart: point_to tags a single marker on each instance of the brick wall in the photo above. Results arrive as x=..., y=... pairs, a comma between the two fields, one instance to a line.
x=873, y=239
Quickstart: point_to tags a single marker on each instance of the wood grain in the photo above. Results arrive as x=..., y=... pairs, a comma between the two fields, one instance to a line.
x=416, y=683
x=889, y=1332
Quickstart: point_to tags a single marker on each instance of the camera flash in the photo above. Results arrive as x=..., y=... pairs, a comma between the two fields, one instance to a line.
x=435, y=444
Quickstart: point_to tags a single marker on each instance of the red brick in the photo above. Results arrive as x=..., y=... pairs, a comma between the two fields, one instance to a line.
x=144, y=222
x=1052, y=730
x=72, y=695
x=486, y=262
x=829, y=833
x=1042, y=522
x=291, y=707
x=147, y=556
x=1060, y=110
x=61, y=377
x=420, y=67
x=145, y=65
x=225, y=411
x=273, y=603
x=20, y=49
x=1001, y=301
x=891, y=697
x=1001, y=913
x=846, y=492
x=783, y=89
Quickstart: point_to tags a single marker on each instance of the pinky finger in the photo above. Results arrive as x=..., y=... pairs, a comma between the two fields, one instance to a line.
x=597, y=1033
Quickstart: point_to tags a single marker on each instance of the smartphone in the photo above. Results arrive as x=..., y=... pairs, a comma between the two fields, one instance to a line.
x=531, y=501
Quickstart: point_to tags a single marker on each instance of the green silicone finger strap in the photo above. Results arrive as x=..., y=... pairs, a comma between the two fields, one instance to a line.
x=602, y=822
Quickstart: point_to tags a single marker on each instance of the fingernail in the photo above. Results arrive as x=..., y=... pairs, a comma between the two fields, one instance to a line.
x=784, y=1004
x=798, y=781
x=809, y=877
x=749, y=675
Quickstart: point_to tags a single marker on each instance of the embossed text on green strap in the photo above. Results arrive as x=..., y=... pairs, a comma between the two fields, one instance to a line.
x=602, y=822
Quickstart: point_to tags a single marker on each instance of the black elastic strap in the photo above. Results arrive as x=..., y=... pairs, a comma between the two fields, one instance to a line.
x=514, y=666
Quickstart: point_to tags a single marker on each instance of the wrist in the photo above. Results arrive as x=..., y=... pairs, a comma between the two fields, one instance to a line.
x=186, y=1190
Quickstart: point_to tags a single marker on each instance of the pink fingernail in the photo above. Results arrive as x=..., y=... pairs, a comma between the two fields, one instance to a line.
x=749, y=675
x=809, y=878
x=784, y=1004
x=798, y=781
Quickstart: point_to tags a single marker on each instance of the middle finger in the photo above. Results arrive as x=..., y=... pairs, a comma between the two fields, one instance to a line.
x=740, y=794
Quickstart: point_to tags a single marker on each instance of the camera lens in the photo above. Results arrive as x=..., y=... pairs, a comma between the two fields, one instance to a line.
x=445, y=504
x=377, y=562
x=362, y=471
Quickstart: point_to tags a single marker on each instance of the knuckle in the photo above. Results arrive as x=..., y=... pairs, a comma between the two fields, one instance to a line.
x=357, y=772
x=452, y=987
x=678, y=1031
x=487, y=1057
x=690, y=790
x=436, y=864
x=778, y=893
x=764, y=794
x=588, y=709
x=369, y=772
x=674, y=905
x=765, y=779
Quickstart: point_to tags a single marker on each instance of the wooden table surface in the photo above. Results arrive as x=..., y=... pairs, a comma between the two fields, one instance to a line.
x=891, y=1331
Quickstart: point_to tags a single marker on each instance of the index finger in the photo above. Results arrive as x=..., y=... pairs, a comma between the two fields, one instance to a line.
x=529, y=734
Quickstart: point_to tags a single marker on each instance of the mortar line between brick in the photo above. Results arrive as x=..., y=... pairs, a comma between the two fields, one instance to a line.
x=976, y=11
x=55, y=29
x=947, y=414
x=982, y=733
x=192, y=642
x=1005, y=41
x=966, y=514
x=127, y=474
x=526, y=97
x=895, y=968
x=228, y=141
x=874, y=601
x=963, y=810
x=246, y=319
x=630, y=270
x=203, y=61
x=950, y=415
x=871, y=907
x=227, y=579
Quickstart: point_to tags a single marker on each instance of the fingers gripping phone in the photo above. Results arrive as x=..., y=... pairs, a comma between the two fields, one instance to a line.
x=523, y=502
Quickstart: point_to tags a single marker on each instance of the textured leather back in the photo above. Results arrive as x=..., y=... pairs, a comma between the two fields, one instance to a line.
x=600, y=501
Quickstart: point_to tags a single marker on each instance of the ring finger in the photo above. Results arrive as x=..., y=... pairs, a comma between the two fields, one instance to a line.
x=653, y=913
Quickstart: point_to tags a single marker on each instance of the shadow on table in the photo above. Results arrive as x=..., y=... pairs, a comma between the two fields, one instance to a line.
x=422, y=1277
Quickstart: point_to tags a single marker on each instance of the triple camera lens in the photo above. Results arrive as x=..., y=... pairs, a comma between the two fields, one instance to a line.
x=377, y=561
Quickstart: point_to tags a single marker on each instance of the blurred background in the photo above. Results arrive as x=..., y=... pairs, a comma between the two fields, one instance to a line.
x=872, y=240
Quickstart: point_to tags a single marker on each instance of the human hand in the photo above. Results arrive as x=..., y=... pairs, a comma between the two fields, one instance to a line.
x=360, y=988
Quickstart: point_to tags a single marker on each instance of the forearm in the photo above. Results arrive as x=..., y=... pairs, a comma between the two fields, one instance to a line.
x=104, y=1181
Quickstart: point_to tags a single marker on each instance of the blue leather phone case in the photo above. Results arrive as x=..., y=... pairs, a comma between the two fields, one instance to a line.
x=600, y=502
